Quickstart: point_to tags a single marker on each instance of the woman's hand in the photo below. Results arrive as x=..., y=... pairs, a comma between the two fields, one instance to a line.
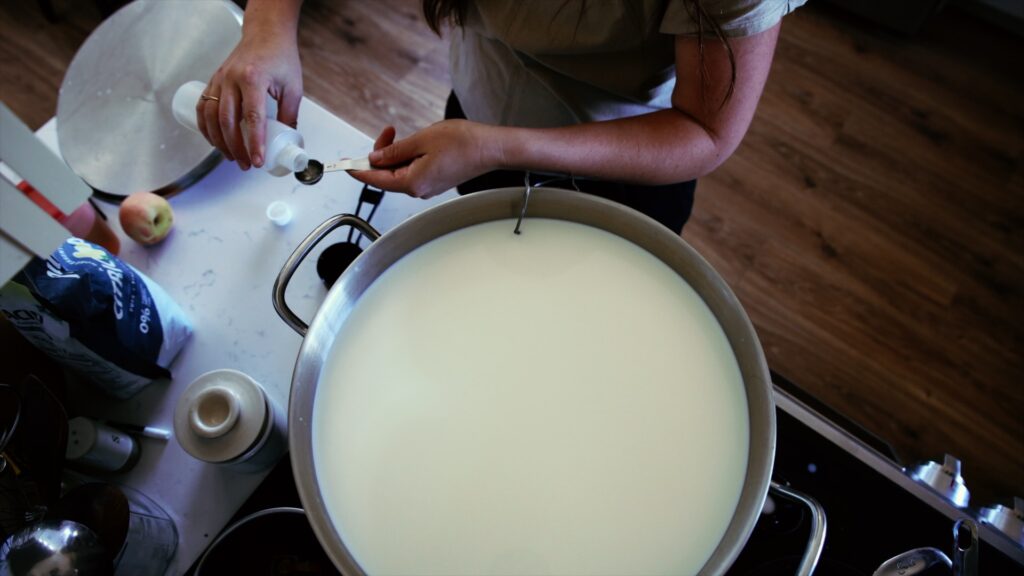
x=265, y=61
x=434, y=159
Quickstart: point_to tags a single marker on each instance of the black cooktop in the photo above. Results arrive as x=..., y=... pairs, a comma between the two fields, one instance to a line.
x=870, y=518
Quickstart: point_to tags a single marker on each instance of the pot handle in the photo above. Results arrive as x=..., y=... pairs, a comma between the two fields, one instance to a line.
x=817, y=540
x=300, y=253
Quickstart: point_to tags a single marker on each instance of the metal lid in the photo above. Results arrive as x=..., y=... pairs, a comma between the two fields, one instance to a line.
x=114, y=121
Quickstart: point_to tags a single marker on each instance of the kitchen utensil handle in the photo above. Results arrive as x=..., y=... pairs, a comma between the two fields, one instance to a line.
x=965, y=548
x=300, y=253
x=913, y=562
x=817, y=540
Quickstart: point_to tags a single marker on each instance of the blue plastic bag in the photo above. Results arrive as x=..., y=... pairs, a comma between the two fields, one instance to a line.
x=98, y=316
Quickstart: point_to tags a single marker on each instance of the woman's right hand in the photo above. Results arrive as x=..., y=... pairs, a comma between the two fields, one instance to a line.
x=265, y=61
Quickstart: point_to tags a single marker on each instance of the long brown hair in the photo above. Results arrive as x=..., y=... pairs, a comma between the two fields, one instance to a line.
x=453, y=12
x=704, y=19
x=441, y=12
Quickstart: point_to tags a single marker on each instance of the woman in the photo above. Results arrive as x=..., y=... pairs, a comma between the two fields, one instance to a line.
x=634, y=99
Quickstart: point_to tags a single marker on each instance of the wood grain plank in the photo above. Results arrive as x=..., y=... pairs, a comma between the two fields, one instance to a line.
x=374, y=64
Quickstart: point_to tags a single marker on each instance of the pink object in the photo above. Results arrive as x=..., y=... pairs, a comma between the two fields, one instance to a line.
x=82, y=223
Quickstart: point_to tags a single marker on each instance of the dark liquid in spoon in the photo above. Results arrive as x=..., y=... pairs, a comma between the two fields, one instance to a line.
x=312, y=174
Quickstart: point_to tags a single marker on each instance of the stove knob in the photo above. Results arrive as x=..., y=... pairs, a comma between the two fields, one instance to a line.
x=944, y=479
x=1009, y=522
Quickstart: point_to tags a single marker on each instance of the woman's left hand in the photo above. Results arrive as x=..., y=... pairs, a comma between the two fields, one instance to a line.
x=432, y=160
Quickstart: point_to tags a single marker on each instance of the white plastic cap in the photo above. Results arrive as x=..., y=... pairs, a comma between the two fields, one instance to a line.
x=279, y=213
x=293, y=157
x=183, y=105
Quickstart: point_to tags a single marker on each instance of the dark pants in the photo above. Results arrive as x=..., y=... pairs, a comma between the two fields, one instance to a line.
x=670, y=204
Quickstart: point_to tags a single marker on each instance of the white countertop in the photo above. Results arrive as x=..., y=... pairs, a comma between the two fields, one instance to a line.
x=219, y=265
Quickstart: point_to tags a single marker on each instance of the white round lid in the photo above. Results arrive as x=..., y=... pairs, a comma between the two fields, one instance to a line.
x=220, y=415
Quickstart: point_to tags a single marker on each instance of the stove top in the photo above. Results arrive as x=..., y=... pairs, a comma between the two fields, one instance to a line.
x=874, y=510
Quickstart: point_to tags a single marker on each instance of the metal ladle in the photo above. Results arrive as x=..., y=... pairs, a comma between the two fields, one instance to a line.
x=916, y=561
x=58, y=547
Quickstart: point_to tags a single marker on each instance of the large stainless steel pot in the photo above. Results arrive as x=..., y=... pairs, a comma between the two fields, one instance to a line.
x=543, y=203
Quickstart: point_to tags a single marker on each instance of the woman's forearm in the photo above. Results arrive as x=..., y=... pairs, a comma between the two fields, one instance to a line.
x=264, y=17
x=657, y=148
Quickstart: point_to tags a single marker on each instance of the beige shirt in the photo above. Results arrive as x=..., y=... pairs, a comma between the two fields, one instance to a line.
x=540, y=63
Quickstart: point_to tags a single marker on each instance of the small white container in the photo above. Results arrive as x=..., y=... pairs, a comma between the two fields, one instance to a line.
x=99, y=446
x=283, y=144
x=224, y=417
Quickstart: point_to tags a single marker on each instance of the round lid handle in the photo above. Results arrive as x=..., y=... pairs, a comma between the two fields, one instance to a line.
x=214, y=412
x=944, y=479
x=1009, y=521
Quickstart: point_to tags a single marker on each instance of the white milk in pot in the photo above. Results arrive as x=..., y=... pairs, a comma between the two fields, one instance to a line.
x=559, y=402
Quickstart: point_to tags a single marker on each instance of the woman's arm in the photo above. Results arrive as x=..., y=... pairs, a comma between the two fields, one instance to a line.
x=681, y=143
x=265, y=61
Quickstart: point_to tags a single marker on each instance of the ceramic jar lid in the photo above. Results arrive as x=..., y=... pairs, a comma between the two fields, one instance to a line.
x=221, y=415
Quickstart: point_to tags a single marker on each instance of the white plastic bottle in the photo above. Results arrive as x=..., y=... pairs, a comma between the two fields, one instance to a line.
x=283, y=145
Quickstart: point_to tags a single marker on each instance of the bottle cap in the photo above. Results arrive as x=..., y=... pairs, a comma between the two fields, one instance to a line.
x=292, y=157
x=279, y=213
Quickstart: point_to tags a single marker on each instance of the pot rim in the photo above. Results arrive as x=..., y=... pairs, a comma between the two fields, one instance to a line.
x=505, y=203
x=238, y=525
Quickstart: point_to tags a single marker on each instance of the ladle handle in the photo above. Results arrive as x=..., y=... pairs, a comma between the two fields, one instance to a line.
x=300, y=253
x=965, y=548
x=816, y=543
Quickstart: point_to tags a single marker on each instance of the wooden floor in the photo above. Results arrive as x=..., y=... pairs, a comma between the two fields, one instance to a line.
x=872, y=222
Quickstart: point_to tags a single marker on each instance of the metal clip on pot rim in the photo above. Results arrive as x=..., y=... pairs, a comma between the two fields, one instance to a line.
x=526, y=201
x=529, y=186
